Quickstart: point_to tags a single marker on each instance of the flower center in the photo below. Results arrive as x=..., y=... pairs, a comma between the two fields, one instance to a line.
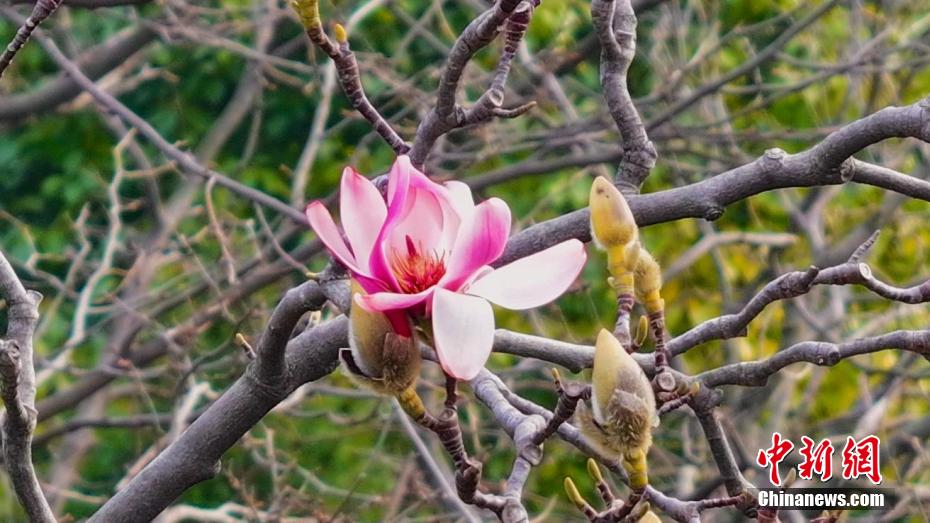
x=417, y=270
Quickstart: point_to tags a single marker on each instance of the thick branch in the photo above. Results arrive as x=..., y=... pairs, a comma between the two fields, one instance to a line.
x=40, y=11
x=827, y=163
x=757, y=373
x=17, y=387
x=194, y=457
x=788, y=286
x=270, y=365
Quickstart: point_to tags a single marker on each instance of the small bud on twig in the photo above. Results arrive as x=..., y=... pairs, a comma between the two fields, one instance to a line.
x=246, y=346
x=340, y=33
x=642, y=332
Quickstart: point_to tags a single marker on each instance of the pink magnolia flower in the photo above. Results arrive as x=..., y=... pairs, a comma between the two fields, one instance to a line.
x=425, y=254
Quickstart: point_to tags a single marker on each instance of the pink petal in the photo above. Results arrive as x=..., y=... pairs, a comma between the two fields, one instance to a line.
x=460, y=210
x=387, y=301
x=422, y=220
x=398, y=188
x=461, y=198
x=418, y=179
x=417, y=207
x=479, y=241
x=399, y=177
x=324, y=227
x=362, y=212
x=534, y=280
x=370, y=284
x=463, y=329
x=435, y=231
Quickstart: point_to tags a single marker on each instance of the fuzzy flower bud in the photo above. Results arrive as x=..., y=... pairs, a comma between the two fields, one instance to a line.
x=379, y=357
x=648, y=278
x=612, y=222
x=614, y=229
x=623, y=409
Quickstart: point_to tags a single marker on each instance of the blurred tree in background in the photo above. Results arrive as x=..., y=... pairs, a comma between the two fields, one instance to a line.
x=149, y=270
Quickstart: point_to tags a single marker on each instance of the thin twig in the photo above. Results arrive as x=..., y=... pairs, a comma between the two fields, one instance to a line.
x=42, y=10
x=615, y=25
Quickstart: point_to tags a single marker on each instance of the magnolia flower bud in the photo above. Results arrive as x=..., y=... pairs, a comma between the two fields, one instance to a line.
x=612, y=222
x=648, y=279
x=614, y=229
x=379, y=357
x=623, y=409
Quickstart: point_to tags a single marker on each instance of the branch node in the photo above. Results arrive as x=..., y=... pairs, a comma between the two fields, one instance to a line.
x=713, y=212
x=773, y=159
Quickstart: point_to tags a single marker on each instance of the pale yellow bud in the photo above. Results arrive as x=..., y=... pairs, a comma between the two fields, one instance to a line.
x=648, y=282
x=650, y=517
x=623, y=409
x=340, y=33
x=614, y=369
x=573, y=495
x=612, y=222
x=594, y=471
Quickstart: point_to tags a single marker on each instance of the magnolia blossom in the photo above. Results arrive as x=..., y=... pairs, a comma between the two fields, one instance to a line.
x=425, y=254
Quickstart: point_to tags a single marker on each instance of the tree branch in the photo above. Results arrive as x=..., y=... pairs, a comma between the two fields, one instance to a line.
x=95, y=62
x=615, y=25
x=347, y=71
x=446, y=114
x=791, y=285
x=17, y=387
x=826, y=163
x=91, y=4
x=757, y=373
x=194, y=456
x=40, y=11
